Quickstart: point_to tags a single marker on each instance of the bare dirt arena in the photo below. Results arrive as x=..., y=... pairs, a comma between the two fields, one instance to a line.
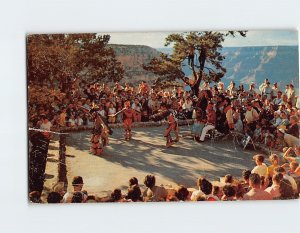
x=146, y=154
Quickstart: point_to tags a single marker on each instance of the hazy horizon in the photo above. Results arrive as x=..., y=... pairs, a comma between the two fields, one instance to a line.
x=254, y=38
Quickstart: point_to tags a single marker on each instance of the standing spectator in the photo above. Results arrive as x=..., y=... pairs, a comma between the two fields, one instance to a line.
x=111, y=111
x=291, y=94
x=261, y=169
x=275, y=90
x=45, y=125
x=267, y=91
x=136, y=106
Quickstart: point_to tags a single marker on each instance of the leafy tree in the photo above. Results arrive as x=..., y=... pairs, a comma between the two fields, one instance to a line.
x=55, y=59
x=207, y=48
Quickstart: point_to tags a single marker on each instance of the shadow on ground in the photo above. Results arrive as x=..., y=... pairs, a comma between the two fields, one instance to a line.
x=183, y=163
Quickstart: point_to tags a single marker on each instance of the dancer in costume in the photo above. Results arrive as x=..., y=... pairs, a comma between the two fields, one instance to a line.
x=128, y=115
x=96, y=147
x=100, y=132
x=172, y=126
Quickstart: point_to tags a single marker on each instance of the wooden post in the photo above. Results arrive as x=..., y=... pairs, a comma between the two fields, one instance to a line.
x=62, y=167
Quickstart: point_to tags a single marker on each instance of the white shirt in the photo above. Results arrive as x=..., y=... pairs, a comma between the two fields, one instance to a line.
x=273, y=190
x=79, y=121
x=196, y=194
x=292, y=181
x=46, y=126
x=72, y=122
x=261, y=170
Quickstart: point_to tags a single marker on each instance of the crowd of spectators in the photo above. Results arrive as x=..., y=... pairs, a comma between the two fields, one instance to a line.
x=267, y=113
x=279, y=180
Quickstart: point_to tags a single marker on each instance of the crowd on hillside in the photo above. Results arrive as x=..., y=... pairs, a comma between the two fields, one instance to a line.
x=279, y=180
x=267, y=113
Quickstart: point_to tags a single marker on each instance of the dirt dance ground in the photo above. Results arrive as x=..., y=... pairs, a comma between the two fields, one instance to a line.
x=146, y=154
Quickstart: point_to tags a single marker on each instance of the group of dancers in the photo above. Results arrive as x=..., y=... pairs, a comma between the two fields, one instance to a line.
x=101, y=130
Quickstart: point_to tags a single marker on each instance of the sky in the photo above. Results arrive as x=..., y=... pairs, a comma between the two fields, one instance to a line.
x=253, y=38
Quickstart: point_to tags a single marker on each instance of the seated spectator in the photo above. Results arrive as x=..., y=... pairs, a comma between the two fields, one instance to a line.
x=217, y=192
x=211, y=121
x=201, y=198
x=293, y=166
x=77, y=197
x=287, y=177
x=133, y=181
x=240, y=191
x=257, y=133
x=245, y=182
x=116, y=196
x=91, y=199
x=198, y=192
x=77, y=184
x=72, y=121
x=256, y=193
x=35, y=196
x=284, y=120
x=228, y=179
x=59, y=188
x=78, y=120
x=276, y=120
x=153, y=192
x=182, y=193
x=274, y=189
x=134, y=193
x=286, y=190
x=261, y=169
x=54, y=197
x=291, y=136
x=229, y=193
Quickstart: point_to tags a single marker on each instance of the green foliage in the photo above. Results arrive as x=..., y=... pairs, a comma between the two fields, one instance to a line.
x=55, y=58
x=207, y=46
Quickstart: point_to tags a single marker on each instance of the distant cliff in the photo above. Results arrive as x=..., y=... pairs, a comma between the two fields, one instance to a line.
x=133, y=57
x=244, y=64
x=253, y=64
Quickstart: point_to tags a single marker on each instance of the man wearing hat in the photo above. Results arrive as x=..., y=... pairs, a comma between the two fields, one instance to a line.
x=77, y=184
x=267, y=90
x=251, y=116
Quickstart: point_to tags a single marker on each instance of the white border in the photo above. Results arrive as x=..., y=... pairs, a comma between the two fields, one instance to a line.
x=20, y=17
